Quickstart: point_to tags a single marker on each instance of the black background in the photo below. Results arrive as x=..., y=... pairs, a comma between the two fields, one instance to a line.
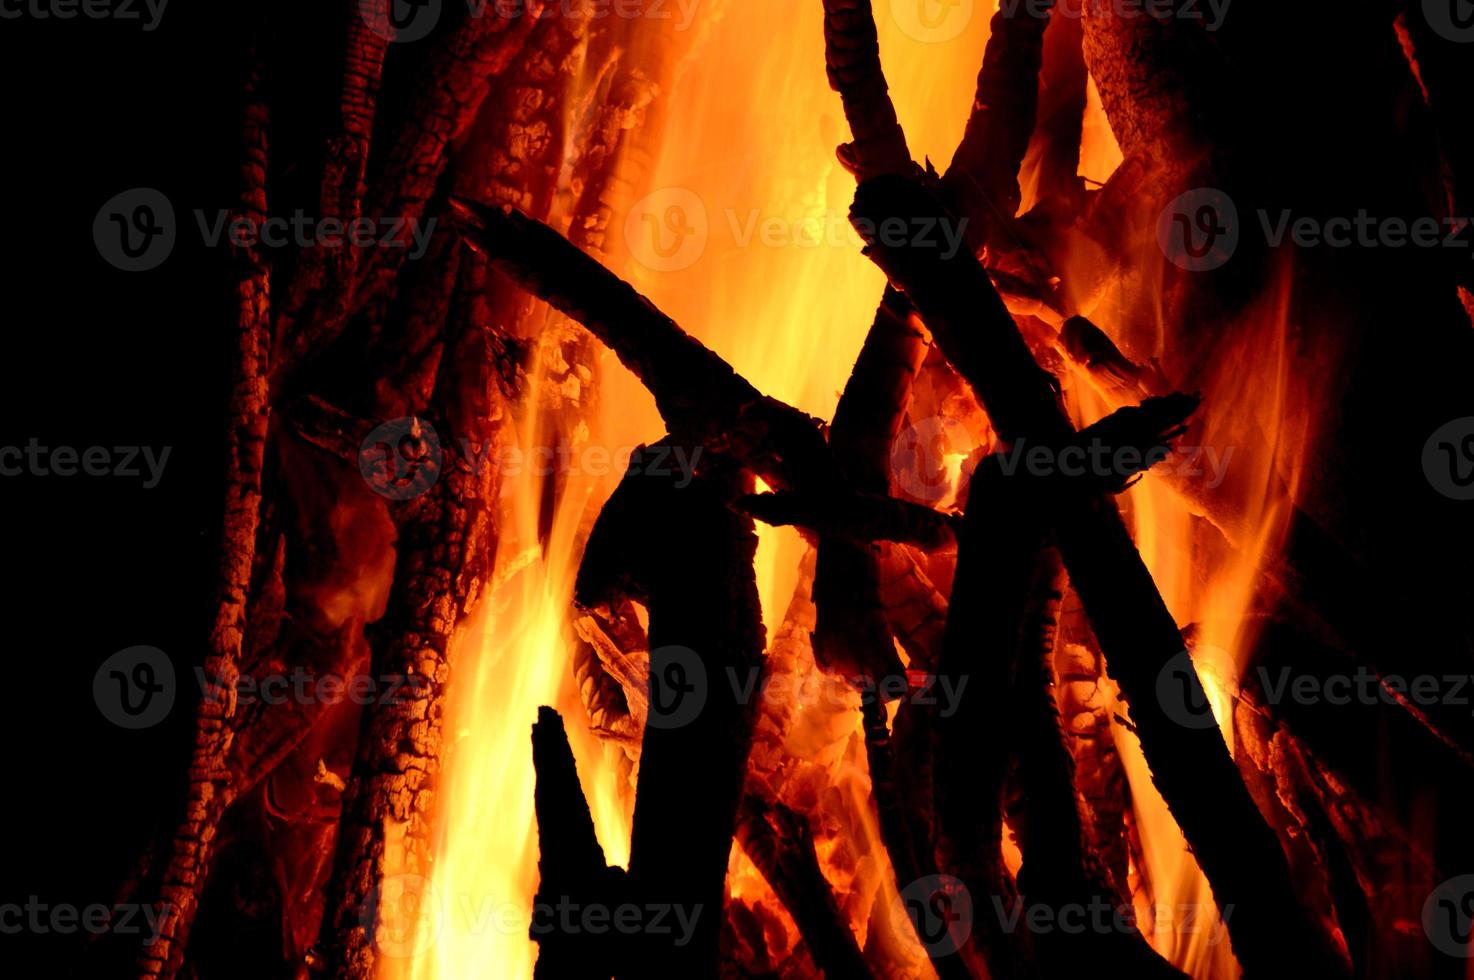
x=99, y=357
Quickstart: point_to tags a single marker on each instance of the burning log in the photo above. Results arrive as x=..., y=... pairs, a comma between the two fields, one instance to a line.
x=701, y=398
x=979, y=648
x=916, y=608
x=451, y=92
x=1141, y=434
x=706, y=645
x=1079, y=678
x=1053, y=158
x=446, y=535
x=444, y=550
x=1192, y=768
x=571, y=865
x=852, y=58
x=982, y=180
x=250, y=412
x=852, y=632
x=855, y=517
x=781, y=845
x=1153, y=75
x=1060, y=868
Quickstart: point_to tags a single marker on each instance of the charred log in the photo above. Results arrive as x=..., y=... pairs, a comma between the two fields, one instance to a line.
x=706, y=647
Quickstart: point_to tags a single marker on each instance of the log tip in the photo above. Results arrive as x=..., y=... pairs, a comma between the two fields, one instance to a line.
x=548, y=721
x=482, y=225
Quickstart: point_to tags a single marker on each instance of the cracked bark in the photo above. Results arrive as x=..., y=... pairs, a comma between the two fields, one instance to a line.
x=444, y=545
x=852, y=60
x=249, y=411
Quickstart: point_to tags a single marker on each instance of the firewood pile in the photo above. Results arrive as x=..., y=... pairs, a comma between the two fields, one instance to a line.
x=974, y=703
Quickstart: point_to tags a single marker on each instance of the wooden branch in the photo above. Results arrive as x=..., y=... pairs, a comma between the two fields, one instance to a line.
x=701, y=398
x=1063, y=83
x=1060, y=869
x=852, y=59
x=444, y=542
x=982, y=179
x=1191, y=767
x=780, y=844
x=859, y=518
x=250, y=413
x=1002, y=533
x=1134, y=437
x=571, y=864
x=851, y=635
x=706, y=641
x=446, y=101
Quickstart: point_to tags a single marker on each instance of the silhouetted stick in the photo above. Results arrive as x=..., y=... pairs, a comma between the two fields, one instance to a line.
x=1060, y=869
x=689, y=555
x=571, y=866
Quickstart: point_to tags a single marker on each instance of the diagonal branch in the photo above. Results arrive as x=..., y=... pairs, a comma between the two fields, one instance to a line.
x=1191, y=766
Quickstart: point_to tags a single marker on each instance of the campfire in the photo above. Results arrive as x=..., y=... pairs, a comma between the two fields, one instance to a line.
x=816, y=507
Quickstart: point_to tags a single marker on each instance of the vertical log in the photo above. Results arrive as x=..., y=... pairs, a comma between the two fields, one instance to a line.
x=706, y=641
x=249, y=410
